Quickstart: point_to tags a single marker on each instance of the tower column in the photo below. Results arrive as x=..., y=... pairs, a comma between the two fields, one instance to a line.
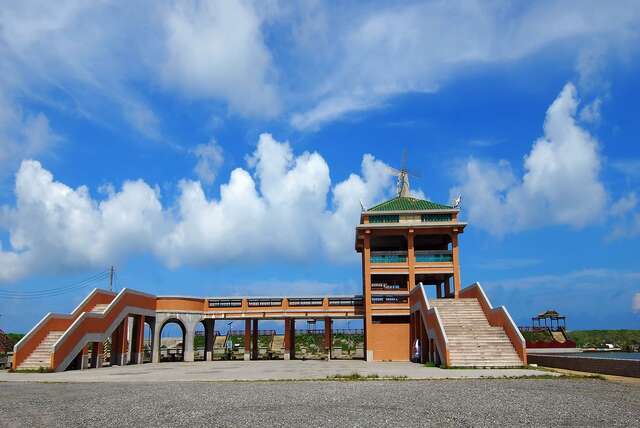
x=456, y=266
x=411, y=259
x=366, y=295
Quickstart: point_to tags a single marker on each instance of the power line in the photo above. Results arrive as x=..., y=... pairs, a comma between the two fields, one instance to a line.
x=55, y=291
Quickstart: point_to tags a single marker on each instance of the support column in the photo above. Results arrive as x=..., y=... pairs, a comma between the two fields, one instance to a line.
x=254, y=340
x=155, y=344
x=97, y=355
x=411, y=259
x=439, y=288
x=137, y=340
x=328, y=336
x=247, y=340
x=118, y=344
x=287, y=338
x=456, y=266
x=187, y=345
x=209, y=338
x=124, y=343
x=366, y=294
x=84, y=357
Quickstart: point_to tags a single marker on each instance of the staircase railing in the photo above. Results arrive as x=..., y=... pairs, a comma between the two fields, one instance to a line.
x=432, y=321
x=96, y=326
x=498, y=317
x=56, y=322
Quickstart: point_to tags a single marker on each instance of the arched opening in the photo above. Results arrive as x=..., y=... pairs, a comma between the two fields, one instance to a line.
x=172, y=337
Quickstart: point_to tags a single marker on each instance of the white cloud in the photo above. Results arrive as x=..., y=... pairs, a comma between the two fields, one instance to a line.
x=560, y=185
x=625, y=204
x=276, y=209
x=590, y=113
x=419, y=46
x=210, y=158
x=215, y=49
x=22, y=135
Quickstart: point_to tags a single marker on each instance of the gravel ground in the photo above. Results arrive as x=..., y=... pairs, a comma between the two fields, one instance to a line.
x=479, y=402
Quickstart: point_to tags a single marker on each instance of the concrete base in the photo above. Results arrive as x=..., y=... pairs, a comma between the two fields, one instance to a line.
x=287, y=356
x=188, y=356
x=369, y=356
x=137, y=358
x=247, y=356
x=100, y=361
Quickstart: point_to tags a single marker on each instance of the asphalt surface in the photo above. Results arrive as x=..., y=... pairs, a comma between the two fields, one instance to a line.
x=478, y=402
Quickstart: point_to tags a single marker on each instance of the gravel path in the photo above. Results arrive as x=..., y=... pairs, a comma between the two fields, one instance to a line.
x=480, y=402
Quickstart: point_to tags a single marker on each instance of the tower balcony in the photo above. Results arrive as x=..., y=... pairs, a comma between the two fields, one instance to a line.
x=421, y=256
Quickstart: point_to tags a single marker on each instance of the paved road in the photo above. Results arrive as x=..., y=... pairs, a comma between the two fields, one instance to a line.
x=260, y=370
x=478, y=402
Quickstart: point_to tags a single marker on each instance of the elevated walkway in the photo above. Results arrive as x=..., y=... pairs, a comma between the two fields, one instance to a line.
x=466, y=332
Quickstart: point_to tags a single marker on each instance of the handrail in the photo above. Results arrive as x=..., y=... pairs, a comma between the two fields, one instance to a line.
x=100, y=323
x=57, y=322
x=498, y=317
x=431, y=318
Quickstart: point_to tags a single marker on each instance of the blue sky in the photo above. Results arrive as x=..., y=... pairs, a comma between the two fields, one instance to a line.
x=223, y=148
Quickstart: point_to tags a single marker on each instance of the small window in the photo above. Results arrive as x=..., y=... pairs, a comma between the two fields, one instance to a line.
x=345, y=301
x=264, y=302
x=428, y=218
x=305, y=301
x=225, y=303
x=388, y=218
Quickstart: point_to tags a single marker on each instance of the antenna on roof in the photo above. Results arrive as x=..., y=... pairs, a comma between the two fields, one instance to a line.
x=402, y=181
x=362, y=205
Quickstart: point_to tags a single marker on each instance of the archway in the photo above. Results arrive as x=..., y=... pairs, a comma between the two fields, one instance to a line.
x=172, y=339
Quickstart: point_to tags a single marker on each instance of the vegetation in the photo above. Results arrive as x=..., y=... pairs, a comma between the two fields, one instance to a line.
x=15, y=337
x=537, y=336
x=625, y=339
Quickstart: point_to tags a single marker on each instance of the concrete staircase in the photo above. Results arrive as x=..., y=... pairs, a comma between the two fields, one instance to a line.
x=99, y=309
x=41, y=356
x=473, y=342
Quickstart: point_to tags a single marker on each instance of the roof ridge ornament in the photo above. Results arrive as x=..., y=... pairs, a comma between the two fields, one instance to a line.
x=458, y=201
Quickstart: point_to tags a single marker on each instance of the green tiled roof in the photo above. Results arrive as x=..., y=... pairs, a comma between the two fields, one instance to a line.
x=404, y=203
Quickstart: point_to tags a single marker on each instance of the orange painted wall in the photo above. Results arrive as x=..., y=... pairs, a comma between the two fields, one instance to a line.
x=389, y=342
x=179, y=304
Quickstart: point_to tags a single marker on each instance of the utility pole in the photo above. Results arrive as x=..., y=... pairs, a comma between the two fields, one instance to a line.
x=111, y=273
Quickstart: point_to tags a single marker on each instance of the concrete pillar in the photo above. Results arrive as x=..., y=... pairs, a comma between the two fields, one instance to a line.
x=247, y=340
x=155, y=343
x=209, y=338
x=328, y=336
x=84, y=357
x=187, y=342
x=439, y=287
x=130, y=349
x=137, y=340
x=254, y=340
x=366, y=296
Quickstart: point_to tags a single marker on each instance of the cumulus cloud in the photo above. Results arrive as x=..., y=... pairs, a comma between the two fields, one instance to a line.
x=274, y=209
x=215, y=49
x=560, y=185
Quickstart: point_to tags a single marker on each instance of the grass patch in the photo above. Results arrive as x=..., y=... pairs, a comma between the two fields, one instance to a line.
x=358, y=377
x=430, y=364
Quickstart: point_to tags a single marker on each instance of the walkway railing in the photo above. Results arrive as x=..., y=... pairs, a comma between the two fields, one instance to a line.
x=427, y=256
x=57, y=322
x=431, y=320
x=498, y=317
x=388, y=256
